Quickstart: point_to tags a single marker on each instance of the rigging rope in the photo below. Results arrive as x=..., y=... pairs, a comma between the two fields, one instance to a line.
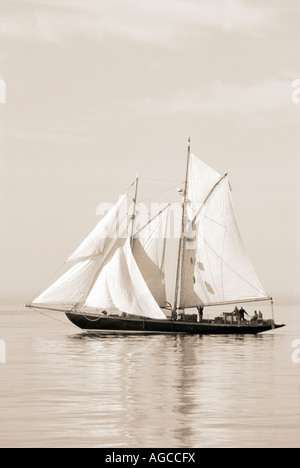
x=175, y=161
x=157, y=194
x=53, y=318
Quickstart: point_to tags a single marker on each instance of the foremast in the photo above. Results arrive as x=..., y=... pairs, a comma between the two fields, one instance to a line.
x=182, y=240
x=134, y=214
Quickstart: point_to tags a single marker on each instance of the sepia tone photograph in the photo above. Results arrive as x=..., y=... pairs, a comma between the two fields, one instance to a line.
x=150, y=222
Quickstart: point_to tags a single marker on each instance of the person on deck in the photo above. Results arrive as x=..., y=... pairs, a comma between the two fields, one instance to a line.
x=242, y=314
x=255, y=317
x=260, y=318
x=200, y=312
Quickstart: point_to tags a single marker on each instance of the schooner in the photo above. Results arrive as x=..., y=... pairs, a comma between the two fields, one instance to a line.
x=115, y=281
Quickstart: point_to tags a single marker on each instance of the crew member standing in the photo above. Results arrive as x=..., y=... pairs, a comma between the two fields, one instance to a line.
x=200, y=312
x=242, y=314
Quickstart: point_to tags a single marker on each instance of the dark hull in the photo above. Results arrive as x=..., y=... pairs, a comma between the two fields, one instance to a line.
x=118, y=325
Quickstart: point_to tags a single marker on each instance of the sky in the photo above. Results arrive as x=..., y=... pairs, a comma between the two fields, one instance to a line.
x=97, y=91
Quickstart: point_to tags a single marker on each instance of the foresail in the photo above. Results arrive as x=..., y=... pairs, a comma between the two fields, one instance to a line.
x=120, y=287
x=72, y=287
x=217, y=268
x=149, y=250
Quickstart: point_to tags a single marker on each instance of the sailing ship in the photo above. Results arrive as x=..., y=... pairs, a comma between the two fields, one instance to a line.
x=115, y=281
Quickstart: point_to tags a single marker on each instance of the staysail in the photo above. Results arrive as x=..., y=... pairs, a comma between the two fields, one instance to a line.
x=149, y=249
x=121, y=287
x=216, y=268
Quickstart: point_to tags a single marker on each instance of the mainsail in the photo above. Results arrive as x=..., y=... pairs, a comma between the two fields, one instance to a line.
x=215, y=267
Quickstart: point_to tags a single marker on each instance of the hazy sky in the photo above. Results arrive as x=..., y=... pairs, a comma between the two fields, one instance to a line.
x=97, y=90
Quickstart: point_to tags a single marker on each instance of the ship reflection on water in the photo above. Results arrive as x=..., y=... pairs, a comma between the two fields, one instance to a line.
x=64, y=388
x=186, y=391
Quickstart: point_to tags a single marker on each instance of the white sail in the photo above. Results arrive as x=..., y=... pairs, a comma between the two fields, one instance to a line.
x=110, y=227
x=216, y=267
x=121, y=287
x=149, y=250
x=201, y=179
x=72, y=287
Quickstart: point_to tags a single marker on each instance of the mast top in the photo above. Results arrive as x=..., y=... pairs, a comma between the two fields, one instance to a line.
x=189, y=144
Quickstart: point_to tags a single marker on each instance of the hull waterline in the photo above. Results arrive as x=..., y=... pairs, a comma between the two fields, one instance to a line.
x=118, y=325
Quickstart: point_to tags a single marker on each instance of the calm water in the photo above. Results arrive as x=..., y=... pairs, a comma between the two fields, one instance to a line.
x=61, y=388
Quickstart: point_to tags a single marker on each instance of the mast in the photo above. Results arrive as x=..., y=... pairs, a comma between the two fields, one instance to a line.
x=182, y=236
x=133, y=217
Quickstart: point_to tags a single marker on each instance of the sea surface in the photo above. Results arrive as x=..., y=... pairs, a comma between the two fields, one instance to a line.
x=62, y=388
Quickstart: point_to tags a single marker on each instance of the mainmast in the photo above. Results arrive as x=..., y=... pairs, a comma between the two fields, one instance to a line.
x=133, y=217
x=182, y=235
